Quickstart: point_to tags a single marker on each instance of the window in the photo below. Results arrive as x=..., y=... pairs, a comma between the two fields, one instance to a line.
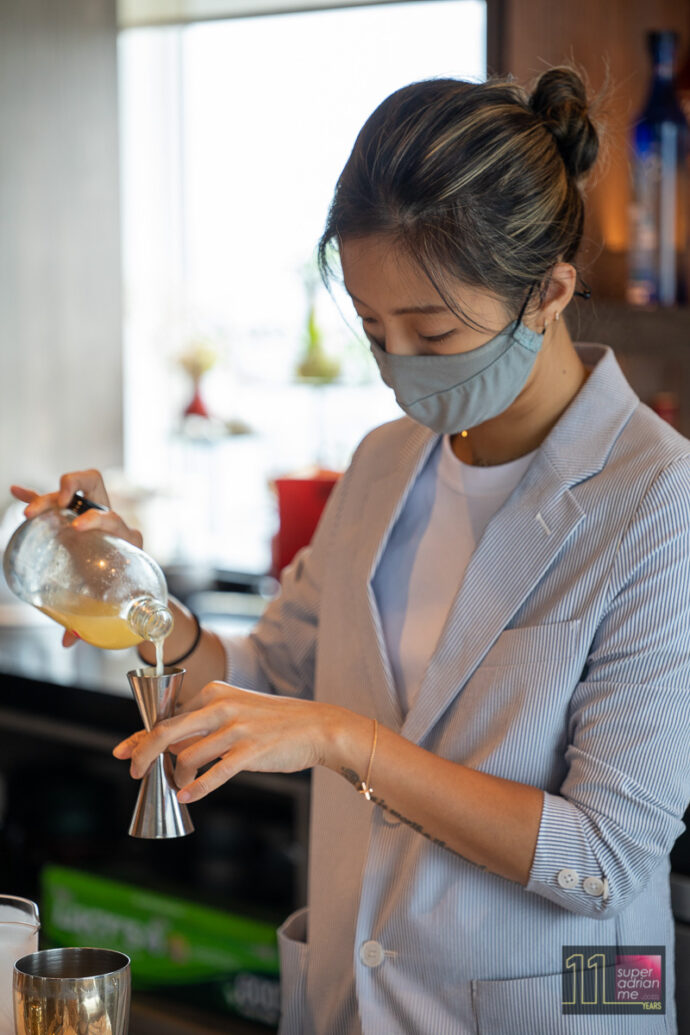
x=233, y=134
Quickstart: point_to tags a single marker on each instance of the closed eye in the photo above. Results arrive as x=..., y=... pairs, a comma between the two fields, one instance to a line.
x=429, y=339
x=438, y=337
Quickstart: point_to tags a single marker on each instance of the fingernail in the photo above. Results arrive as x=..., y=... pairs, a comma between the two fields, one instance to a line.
x=184, y=796
x=134, y=772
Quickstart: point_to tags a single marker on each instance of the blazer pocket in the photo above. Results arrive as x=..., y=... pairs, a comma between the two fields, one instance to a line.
x=534, y=644
x=527, y=1006
x=293, y=950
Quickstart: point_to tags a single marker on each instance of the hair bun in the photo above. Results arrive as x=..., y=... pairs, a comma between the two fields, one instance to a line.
x=559, y=99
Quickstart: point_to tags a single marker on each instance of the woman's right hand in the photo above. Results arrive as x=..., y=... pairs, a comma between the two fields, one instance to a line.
x=90, y=483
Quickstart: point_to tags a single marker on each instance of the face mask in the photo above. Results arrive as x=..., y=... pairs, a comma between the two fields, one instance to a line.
x=451, y=393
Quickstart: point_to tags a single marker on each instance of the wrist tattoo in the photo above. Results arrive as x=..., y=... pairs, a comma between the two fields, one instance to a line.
x=352, y=777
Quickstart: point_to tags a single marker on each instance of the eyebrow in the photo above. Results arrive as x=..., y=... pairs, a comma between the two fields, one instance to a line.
x=424, y=309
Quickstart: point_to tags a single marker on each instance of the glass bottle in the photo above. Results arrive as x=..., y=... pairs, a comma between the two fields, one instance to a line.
x=658, y=212
x=110, y=593
x=683, y=86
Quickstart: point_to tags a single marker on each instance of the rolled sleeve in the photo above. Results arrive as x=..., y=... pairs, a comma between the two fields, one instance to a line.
x=627, y=784
x=564, y=859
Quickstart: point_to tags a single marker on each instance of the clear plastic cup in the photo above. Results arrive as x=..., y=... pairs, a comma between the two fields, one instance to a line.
x=19, y=926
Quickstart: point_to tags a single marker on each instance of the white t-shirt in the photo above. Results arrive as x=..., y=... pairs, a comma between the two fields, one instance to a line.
x=426, y=555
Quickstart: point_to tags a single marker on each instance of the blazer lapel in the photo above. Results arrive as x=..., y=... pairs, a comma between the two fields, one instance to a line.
x=518, y=546
x=525, y=537
x=380, y=510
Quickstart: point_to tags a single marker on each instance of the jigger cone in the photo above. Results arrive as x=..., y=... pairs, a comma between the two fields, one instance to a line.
x=158, y=813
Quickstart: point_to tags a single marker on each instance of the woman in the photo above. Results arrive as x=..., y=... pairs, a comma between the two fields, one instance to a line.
x=484, y=653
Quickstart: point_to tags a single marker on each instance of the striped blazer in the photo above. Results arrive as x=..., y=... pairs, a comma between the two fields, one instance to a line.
x=565, y=664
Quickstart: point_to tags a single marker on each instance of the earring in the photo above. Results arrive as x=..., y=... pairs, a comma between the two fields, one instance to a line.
x=558, y=316
x=546, y=324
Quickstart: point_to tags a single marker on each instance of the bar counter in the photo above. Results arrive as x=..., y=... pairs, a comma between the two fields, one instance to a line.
x=65, y=804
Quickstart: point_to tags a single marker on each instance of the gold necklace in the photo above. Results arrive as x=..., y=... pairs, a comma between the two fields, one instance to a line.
x=477, y=461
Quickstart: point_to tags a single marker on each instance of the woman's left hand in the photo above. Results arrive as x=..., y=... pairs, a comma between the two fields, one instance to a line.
x=244, y=730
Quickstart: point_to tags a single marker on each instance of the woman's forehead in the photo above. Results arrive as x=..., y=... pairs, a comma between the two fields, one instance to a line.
x=378, y=273
x=378, y=265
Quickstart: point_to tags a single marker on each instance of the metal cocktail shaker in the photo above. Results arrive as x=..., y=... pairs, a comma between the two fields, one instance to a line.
x=72, y=990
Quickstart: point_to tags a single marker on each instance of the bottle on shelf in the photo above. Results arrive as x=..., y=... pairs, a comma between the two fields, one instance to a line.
x=683, y=86
x=666, y=404
x=657, y=273
x=107, y=591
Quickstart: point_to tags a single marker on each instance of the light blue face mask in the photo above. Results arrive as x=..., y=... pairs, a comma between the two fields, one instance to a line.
x=451, y=393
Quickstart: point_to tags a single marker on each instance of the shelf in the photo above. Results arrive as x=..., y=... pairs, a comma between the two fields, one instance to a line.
x=652, y=346
x=628, y=329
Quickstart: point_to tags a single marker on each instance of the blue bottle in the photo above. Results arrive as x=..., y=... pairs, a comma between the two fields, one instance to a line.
x=659, y=208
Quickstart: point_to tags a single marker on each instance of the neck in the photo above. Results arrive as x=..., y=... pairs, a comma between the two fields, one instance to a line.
x=556, y=378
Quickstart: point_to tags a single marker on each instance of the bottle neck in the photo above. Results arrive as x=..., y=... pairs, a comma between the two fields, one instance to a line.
x=150, y=619
x=663, y=52
x=662, y=96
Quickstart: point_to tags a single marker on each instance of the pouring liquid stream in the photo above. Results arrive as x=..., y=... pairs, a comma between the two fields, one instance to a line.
x=158, y=644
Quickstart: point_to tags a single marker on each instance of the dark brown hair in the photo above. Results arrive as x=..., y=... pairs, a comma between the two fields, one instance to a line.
x=477, y=182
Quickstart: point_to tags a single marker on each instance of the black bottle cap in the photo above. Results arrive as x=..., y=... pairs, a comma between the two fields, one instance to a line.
x=78, y=504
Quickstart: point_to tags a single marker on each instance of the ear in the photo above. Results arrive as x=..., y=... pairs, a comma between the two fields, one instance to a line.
x=559, y=291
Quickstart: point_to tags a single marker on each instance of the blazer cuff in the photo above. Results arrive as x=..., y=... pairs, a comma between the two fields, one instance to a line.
x=565, y=869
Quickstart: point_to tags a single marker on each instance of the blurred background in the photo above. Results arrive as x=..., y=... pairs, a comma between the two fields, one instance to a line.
x=165, y=177
x=169, y=179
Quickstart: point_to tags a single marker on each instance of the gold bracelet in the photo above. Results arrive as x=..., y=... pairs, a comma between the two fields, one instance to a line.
x=364, y=787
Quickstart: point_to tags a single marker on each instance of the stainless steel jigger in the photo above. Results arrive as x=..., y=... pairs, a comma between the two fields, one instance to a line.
x=158, y=813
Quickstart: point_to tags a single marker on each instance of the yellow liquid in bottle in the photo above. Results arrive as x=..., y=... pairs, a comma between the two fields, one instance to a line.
x=96, y=622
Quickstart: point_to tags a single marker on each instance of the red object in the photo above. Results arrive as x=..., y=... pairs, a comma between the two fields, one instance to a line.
x=197, y=406
x=667, y=406
x=300, y=504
